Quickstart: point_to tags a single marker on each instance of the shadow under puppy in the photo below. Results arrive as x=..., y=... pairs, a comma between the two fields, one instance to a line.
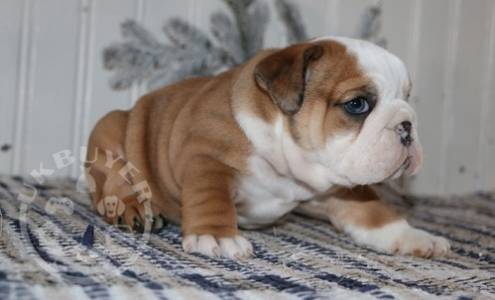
x=306, y=127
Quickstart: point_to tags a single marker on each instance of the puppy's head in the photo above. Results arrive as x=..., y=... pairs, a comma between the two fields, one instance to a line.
x=346, y=105
x=111, y=207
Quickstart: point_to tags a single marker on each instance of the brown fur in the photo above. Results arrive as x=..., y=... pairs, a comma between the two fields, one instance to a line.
x=359, y=206
x=181, y=148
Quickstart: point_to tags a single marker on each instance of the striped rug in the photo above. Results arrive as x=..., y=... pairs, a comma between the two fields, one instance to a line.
x=54, y=246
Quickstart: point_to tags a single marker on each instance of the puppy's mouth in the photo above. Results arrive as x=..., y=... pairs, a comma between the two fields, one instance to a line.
x=411, y=163
x=406, y=164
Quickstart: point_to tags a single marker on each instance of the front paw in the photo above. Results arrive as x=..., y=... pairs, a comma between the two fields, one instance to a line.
x=420, y=243
x=400, y=238
x=235, y=247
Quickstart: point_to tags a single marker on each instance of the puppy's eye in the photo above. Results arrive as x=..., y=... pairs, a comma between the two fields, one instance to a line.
x=357, y=106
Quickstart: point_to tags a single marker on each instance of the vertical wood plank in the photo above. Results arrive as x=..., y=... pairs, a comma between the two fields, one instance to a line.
x=81, y=95
x=414, y=37
x=24, y=84
x=428, y=89
x=454, y=12
x=48, y=115
x=350, y=16
x=332, y=17
x=315, y=16
x=463, y=133
x=397, y=16
x=486, y=152
x=11, y=12
x=103, y=30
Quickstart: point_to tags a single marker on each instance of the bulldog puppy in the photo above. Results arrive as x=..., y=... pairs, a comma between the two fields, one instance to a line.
x=309, y=126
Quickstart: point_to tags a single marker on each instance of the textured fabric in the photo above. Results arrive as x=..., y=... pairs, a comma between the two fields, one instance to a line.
x=42, y=257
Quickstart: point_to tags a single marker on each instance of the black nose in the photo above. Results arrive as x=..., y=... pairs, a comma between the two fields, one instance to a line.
x=404, y=131
x=407, y=126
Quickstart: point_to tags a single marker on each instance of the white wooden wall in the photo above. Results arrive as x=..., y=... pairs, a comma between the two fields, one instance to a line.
x=53, y=87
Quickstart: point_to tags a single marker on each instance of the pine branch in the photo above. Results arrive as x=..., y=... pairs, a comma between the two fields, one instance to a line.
x=191, y=51
x=251, y=17
x=227, y=37
x=290, y=16
x=138, y=34
x=371, y=25
x=134, y=59
x=239, y=10
x=131, y=62
x=257, y=21
x=181, y=33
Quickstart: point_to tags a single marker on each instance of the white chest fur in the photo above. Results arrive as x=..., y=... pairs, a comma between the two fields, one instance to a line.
x=279, y=176
x=265, y=195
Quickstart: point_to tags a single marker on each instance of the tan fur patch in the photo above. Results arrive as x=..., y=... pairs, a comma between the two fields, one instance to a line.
x=362, y=207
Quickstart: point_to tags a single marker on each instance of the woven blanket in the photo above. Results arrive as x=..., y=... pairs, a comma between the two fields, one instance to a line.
x=43, y=255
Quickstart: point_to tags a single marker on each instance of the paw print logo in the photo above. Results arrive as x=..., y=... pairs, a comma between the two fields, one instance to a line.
x=58, y=208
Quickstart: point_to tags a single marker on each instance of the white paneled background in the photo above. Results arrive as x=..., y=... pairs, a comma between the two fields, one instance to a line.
x=53, y=87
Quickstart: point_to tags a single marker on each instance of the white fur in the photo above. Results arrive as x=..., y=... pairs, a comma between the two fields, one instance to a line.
x=270, y=182
x=235, y=248
x=399, y=237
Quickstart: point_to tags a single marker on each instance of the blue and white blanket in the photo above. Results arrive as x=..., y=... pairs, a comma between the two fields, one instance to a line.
x=54, y=246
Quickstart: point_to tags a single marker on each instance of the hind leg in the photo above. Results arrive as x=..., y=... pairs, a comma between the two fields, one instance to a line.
x=111, y=177
x=137, y=210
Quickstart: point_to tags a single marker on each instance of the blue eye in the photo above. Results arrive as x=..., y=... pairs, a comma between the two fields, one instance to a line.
x=357, y=106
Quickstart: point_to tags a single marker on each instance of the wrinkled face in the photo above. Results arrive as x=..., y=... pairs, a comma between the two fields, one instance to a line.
x=111, y=206
x=352, y=116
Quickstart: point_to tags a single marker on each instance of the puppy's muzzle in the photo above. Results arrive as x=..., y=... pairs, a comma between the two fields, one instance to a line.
x=404, y=132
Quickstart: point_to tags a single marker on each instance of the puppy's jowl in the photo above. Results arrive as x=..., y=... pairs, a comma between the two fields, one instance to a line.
x=310, y=126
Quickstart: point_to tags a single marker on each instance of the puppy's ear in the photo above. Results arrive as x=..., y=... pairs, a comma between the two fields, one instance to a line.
x=283, y=75
x=100, y=207
x=120, y=207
